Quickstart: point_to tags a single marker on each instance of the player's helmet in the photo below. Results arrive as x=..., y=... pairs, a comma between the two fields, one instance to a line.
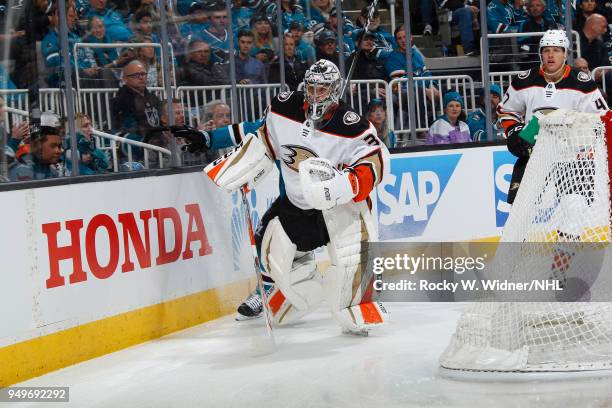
x=554, y=38
x=322, y=84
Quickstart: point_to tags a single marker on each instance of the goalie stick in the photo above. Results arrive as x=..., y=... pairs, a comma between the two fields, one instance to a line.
x=264, y=295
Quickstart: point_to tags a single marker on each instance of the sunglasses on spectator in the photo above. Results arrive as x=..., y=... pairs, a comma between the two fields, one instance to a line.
x=137, y=75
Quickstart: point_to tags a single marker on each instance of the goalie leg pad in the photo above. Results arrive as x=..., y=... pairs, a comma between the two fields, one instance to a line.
x=294, y=272
x=247, y=163
x=347, y=283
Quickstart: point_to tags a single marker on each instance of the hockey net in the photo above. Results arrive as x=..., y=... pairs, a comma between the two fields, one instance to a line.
x=561, y=218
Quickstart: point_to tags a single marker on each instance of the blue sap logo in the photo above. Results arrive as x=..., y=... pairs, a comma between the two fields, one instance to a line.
x=503, y=163
x=408, y=197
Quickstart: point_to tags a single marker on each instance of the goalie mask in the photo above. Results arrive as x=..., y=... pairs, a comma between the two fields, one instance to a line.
x=322, y=84
x=554, y=38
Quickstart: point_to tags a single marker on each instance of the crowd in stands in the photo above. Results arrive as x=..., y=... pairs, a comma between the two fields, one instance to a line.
x=199, y=33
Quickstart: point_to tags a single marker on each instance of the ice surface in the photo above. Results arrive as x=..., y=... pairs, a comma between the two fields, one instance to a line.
x=215, y=365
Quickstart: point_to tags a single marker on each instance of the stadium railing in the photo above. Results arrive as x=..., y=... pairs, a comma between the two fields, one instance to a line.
x=427, y=109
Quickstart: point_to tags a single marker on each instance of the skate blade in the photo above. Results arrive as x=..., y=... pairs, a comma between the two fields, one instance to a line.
x=242, y=318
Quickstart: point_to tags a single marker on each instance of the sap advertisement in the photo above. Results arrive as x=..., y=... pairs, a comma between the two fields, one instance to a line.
x=445, y=195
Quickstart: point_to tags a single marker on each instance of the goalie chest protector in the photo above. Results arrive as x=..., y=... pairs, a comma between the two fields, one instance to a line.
x=291, y=137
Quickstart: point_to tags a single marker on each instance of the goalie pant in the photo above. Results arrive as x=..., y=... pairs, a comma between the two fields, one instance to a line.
x=291, y=229
x=530, y=94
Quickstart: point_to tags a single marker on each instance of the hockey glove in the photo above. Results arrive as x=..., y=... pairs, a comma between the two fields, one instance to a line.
x=197, y=140
x=516, y=144
x=324, y=186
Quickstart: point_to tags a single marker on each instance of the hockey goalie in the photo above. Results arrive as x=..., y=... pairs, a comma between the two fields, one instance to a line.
x=329, y=159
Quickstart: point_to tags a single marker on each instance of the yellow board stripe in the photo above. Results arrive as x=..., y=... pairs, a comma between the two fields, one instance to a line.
x=35, y=357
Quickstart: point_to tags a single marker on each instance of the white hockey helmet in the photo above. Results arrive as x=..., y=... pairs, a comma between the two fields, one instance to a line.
x=322, y=84
x=554, y=38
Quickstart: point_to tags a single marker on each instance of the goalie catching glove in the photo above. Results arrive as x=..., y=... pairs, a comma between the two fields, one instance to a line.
x=324, y=186
x=247, y=163
x=197, y=140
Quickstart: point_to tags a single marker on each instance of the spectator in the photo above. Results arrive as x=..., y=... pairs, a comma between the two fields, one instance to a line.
x=303, y=43
x=216, y=115
x=200, y=70
x=501, y=17
x=105, y=57
x=197, y=22
x=347, y=31
x=44, y=160
x=146, y=55
x=216, y=35
x=535, y=23
x=582, y=65
x=116, y=29
x=477, y=119
x=325, y=43
x=555, y=12
x=395, y=63
x=241, y=15
x=161, y=137
x=427, y=15
x=249, y=70
x=320, y=10
x=377, y=115
x=91, y=159
x=135, y=111
x=295, y=69
x=368, y=66
x=591, y=47
x=89, y=71
x=291, y=11
x=142, y=23
x=587, y=7
x=449, y=128
x=383, y=40
x=262, y=35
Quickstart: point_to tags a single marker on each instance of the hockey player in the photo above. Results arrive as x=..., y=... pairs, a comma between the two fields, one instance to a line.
x=535, y=92
x=329, y=159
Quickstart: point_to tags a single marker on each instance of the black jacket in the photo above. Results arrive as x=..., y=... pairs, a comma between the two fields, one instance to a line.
x=294, y=72
x=196, y=74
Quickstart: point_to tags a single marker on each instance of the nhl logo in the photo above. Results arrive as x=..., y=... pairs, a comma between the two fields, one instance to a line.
x=350, y=118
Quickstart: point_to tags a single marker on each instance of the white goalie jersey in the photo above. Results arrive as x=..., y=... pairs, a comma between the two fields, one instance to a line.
x=530, y=93
x=347, y=140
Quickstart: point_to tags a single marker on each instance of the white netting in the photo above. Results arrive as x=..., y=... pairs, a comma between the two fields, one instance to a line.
x=562, y=211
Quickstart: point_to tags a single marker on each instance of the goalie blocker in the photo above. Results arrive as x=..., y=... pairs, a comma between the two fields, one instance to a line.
x=330, y=160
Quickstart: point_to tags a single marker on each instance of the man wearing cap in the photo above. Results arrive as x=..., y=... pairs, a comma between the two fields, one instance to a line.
x=367, y=66
x=196, y=24
x=45, y=157
x=477, y=119
x=325, y=43
x=383, y=39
